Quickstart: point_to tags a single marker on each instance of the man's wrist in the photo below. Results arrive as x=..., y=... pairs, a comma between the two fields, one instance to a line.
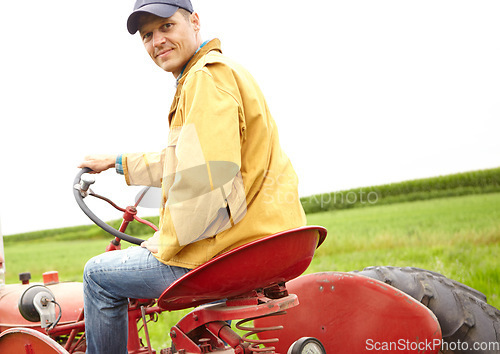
x=119, y=164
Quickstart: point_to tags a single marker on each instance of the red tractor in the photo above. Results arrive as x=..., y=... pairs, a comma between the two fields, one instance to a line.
x=380, y=309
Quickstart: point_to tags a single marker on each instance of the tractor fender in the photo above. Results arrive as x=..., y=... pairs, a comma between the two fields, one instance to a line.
x=350, y=313
x=27, y=340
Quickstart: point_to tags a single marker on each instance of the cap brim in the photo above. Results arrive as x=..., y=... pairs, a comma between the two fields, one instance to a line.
x=160, y=10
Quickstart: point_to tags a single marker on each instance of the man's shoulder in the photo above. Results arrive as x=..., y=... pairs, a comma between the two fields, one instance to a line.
x=221, y=71
x=214, y=57
x=215, y=63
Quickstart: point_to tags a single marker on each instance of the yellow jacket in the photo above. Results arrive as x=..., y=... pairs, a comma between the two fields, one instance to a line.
x=225, y=179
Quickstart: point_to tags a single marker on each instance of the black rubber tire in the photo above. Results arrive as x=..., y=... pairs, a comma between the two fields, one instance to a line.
x=463, y=314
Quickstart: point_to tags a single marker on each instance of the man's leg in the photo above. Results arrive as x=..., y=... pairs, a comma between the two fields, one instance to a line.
x=108, y=281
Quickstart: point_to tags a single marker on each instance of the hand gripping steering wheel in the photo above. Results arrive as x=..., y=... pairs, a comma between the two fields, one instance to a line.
x=81, y=189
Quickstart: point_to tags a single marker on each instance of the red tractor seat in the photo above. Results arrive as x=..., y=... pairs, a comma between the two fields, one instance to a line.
x=256, y=265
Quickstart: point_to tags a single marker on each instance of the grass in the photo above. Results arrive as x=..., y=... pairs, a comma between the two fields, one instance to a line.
x=457, y=236
x=37, y=257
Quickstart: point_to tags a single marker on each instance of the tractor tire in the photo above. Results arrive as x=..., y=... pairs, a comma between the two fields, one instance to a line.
x=468, y=323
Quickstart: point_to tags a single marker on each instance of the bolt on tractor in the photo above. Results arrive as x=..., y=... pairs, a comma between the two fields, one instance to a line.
x=259, y=289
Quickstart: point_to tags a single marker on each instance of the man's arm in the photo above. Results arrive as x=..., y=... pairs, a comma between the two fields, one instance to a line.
x=140, y=169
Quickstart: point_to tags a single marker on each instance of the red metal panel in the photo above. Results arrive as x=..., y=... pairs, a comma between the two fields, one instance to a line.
x=270, y=260
x=68, y=295
x=350, y=313
x=26, y=340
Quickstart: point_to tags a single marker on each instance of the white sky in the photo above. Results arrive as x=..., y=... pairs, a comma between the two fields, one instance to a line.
x=364, y=92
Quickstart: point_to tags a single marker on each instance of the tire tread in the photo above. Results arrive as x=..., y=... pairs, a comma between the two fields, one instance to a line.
x=462, y=312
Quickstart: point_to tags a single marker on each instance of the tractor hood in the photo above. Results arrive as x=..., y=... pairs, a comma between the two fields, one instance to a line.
x=68, y=295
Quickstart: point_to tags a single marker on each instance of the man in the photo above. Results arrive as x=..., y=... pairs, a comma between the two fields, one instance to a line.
x=225, y=179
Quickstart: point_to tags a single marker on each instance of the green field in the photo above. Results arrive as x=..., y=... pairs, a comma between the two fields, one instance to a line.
x=456, y=236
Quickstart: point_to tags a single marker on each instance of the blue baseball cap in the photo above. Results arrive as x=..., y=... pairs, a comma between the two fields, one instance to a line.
x=160, y=8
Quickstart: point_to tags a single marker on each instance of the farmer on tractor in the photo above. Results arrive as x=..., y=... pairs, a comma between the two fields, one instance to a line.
x=225, y=179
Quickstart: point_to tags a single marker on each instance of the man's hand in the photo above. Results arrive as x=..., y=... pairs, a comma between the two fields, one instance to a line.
x=98, y=163
x=152, y=243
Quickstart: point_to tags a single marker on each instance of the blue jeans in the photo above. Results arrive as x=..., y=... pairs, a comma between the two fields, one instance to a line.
x=108, y=281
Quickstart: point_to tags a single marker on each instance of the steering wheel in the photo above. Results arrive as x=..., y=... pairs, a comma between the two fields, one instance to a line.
x=81, y=189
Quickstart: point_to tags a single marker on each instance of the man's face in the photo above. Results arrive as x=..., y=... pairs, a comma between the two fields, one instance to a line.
x=170, y=42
